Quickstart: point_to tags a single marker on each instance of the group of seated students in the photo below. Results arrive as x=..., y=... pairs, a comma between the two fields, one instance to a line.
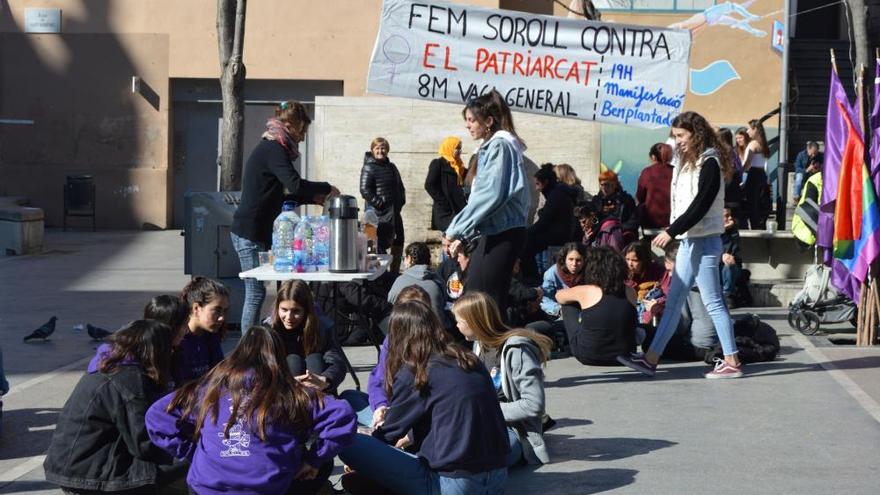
x=161, y=410
x=456, y=398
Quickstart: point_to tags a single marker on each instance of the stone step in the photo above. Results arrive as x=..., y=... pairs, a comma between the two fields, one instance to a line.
x=774, y=293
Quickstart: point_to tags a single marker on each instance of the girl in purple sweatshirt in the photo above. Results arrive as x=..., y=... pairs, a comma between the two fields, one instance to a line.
x=250, y=427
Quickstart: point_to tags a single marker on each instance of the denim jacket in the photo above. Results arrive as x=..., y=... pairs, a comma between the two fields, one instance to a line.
x=500, y=198
x=552, y=283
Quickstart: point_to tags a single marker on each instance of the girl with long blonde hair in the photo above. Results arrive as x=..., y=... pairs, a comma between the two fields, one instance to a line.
x=514, y=358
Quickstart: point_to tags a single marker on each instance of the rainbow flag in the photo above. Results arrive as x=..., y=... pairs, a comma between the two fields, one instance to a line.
x=857, y=215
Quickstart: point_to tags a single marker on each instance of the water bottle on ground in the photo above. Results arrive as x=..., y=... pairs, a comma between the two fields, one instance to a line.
x=282, y=237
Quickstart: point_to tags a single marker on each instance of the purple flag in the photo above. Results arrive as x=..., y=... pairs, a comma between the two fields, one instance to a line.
x=874, y=151
x=844, y=280
x=835, y=140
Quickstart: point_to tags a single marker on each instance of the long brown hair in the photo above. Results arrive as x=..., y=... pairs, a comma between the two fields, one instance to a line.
x=295, y=116
x=741, y=150
x=146, y=341
x=703, y=137
x=492, y=104
x=262, y=388
x=760, y=137
x=171, y=311
x=413, y=293
x=415, y=336
x=481, y=313
x=472, y=169
x=299, y=292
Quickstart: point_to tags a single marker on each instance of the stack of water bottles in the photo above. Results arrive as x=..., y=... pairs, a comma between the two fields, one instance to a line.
x=311, y=245
x=300, y=244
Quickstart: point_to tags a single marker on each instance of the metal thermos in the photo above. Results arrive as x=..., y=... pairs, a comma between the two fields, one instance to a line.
x=343, y=234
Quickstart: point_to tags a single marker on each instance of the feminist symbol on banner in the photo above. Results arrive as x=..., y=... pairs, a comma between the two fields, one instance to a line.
x=396, y=50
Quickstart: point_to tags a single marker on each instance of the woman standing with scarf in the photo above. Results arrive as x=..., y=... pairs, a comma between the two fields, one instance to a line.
x=444, y=183
x=268, y=172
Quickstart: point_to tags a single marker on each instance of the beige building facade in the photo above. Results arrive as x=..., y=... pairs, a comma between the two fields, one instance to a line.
x=67, y=105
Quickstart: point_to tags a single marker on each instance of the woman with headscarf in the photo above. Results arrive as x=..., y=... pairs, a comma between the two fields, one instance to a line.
x=445, y=182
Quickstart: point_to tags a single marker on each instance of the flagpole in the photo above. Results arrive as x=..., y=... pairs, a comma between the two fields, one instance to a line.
x=833, y=61
x=868, y=315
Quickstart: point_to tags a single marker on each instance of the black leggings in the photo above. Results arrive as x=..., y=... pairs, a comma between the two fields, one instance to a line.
x=313, y=362
x=491, y=265
x=756, y=200
x=527, y=264
x=390, y=234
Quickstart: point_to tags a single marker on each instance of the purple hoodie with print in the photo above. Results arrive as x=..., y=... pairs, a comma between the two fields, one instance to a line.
x=242, y=463
x=376, y=381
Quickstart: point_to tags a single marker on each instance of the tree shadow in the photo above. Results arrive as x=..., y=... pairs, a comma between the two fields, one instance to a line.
x=27, y=432
x=569, y=422
x=568, y=448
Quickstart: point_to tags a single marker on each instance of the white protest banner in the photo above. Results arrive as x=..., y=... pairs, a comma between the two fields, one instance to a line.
x=597, y=71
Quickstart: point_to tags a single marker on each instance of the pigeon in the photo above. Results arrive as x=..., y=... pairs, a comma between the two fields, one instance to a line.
x=44, y=331
x=97, y=333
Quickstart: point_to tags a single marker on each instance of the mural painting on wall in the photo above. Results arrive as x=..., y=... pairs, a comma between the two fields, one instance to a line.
x=731, y=45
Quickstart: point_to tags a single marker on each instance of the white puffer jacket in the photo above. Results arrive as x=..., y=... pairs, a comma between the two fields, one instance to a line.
x=685, y=184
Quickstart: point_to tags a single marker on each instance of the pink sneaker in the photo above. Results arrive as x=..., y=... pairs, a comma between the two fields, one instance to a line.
x=637, y=362
x=723, y=370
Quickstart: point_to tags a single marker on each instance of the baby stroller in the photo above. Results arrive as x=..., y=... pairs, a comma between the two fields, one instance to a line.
x=818, y=302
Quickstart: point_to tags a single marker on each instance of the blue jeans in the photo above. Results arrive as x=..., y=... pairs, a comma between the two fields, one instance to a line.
x=729, y=278
x=697, y=260
x=360, y=402
x=798, y=184
x=254, y=290
x=405, y=473
x=516, y=449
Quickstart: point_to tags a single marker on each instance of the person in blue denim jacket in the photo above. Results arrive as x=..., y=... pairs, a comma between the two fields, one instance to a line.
x=807, y=163
x=498, y=205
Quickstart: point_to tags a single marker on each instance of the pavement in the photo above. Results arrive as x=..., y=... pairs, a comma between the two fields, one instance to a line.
x=807, y=423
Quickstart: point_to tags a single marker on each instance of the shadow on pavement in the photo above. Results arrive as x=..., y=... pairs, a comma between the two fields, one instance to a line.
x=581, y=482
x=24, y=486
x=857, y=363
x=567, y=447
x=566, y=422
x=27, y=432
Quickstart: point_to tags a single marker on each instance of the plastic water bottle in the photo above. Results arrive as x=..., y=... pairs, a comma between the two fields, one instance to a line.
x=282, y=237
x=322, y=243
x=303, y=250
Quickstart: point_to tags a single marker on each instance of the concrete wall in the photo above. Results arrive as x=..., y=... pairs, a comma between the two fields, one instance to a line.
x=284, y=39
x=344, y=127
x=87, y=121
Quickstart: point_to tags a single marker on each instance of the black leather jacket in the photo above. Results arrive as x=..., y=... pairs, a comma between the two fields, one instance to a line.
x=101, y=442
x=382, y=188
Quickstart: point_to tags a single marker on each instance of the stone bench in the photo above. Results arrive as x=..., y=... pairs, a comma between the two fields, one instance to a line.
x=21, y=227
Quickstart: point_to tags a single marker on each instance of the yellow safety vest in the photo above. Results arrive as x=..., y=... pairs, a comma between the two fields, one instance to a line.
x=799, y=228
